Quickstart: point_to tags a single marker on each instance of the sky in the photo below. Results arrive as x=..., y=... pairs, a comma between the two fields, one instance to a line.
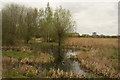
x=99, y=16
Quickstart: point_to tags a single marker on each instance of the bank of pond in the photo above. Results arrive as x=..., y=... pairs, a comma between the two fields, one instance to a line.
x=43, y=64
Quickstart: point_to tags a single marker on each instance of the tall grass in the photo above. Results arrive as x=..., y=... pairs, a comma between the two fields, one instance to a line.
x=102, y=58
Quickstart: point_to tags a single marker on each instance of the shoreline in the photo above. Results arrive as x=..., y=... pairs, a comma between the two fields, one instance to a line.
x=87, y=69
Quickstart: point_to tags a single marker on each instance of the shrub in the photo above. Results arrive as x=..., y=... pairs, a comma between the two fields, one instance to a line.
x=30, y=74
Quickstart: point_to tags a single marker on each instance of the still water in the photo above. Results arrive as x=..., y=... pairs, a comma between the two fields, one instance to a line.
x=66, y=64
x=75, y=65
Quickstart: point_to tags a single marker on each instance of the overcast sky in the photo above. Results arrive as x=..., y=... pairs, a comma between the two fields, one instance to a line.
x=98, y=16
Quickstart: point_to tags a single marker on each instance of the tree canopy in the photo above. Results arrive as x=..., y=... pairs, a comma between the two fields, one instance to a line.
x=20, y=23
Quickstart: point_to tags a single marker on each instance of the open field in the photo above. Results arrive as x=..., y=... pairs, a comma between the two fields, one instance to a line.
x=101, y=57
x=94, y=42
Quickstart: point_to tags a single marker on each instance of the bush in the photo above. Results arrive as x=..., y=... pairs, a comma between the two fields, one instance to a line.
x=30, y=74
x=28, y=71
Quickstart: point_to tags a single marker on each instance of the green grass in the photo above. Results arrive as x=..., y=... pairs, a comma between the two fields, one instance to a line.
x=18, y=54
x=114, y=54
x=91, y=75
x=15, y=74
x=49, y=43
x=40, y=42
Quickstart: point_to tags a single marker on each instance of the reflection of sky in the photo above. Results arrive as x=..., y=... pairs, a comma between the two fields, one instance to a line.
x=71, y=53
x=75, y=65
x=100, y=17
x=77, y=69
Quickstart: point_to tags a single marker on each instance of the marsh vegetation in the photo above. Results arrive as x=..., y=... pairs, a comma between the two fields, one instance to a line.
x=36, y=45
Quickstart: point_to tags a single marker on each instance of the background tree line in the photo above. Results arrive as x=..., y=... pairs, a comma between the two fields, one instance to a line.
x=20, y=24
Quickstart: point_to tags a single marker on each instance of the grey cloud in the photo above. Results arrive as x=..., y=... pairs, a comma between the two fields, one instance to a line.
x=93, y=16
x=74, y=7
x=89, y=16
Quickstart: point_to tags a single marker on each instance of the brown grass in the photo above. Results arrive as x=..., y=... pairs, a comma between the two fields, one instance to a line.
x=53, y=73
x=102, y=56
x=94, y=42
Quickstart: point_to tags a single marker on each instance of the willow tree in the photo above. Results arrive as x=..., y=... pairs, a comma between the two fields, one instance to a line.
x=63, y=24
x=47, y=28
x=30, y=23
x=39, y=23
x=11, y=15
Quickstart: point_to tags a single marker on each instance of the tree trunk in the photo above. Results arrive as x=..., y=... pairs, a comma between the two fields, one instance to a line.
x=27, y=41
x=59, y=50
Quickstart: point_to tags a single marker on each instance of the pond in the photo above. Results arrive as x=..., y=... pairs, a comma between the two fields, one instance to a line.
x=66, y=64
x=75, y=65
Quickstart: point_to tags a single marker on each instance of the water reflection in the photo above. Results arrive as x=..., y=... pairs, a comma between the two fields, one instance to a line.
x=75, y=66
x=63, y=62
